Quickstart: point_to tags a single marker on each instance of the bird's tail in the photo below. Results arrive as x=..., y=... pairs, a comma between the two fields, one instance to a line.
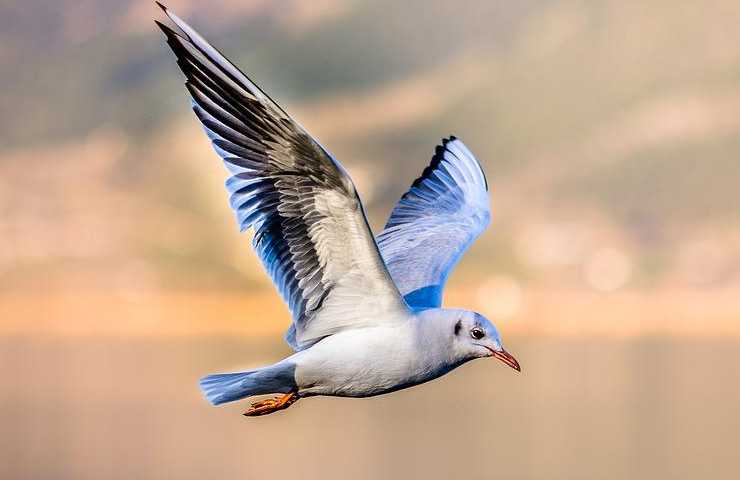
x=229, y=387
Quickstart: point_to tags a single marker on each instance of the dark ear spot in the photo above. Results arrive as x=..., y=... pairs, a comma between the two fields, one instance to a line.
x=458, y=326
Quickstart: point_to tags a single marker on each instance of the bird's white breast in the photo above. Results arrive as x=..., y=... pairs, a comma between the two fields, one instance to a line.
x=367, y=361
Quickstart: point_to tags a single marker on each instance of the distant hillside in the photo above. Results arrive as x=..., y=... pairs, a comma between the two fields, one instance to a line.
x=615, y=125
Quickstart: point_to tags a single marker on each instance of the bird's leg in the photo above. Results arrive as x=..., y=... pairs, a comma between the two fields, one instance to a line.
x=271, y=405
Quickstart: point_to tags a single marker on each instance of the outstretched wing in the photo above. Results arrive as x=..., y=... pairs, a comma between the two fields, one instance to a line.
x=310, y=228
x=433, y=224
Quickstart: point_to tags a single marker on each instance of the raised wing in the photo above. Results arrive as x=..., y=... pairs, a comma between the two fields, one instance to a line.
x=310, y=228
x=433, y=224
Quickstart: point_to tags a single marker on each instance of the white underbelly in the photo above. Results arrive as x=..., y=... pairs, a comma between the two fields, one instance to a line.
x=362, y=362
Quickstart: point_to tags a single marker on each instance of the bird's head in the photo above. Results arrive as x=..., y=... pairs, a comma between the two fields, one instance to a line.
x=474, y=336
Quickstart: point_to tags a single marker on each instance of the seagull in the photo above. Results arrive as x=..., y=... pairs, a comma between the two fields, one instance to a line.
x=367, y=315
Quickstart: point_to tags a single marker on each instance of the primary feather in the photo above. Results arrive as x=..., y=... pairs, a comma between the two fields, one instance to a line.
x=310, y=228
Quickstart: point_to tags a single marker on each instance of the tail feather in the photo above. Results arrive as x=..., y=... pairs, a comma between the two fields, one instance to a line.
x=226, y=387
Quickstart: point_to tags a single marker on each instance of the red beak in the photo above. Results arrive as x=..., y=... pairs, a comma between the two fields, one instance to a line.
x=508, y=359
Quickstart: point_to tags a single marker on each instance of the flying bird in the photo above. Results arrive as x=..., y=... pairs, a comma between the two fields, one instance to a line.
x=367, y=315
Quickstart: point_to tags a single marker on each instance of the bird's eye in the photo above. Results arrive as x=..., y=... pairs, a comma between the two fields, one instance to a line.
x=477, y=333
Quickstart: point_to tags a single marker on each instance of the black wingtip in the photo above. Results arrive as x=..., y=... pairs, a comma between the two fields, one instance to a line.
x=162, y=26
x=164, y=9
x=168, y=32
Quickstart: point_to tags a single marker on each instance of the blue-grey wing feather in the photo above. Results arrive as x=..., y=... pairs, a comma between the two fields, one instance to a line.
x=310, y=229
x=434, y=223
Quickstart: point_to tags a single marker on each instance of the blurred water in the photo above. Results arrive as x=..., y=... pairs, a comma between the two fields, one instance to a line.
x=78, y=408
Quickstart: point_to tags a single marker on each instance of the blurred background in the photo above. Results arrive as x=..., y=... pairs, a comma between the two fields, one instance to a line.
x=610, y=134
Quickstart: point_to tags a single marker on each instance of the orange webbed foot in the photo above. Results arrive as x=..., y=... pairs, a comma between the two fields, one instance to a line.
x=271, y=405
